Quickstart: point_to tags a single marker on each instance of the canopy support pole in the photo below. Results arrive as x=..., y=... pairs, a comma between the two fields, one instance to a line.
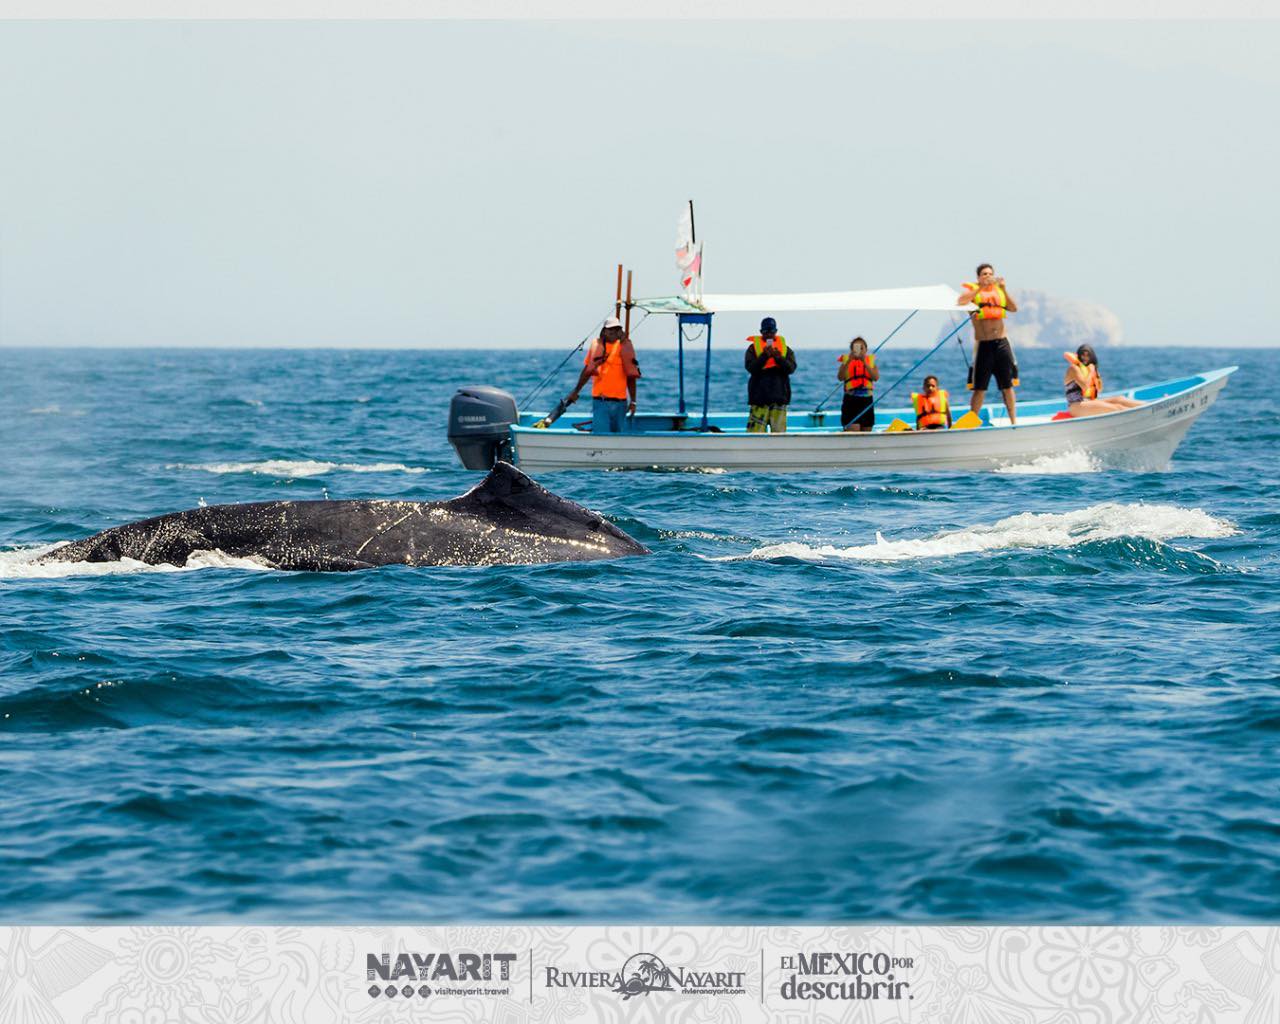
x=680, y=362
x=706, y=378
x=705, y=320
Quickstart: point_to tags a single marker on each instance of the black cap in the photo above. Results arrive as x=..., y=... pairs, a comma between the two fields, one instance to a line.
x=768, y=324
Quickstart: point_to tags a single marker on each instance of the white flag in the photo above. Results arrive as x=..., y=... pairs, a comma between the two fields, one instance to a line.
x=689, y=257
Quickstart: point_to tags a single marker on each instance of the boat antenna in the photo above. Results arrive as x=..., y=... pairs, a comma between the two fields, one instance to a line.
x=840, y=383
x=693, y=231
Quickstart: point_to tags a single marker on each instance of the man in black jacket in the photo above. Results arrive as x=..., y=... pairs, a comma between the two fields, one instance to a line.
x=771, y=363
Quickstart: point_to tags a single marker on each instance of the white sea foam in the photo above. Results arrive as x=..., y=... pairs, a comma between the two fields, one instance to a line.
x=21, y=563
x=290, y=469
x=1108, y=521
x=708, y=470
x=1056, y=464
x=55, y=410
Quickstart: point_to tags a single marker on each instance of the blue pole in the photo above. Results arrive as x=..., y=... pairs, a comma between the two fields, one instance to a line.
x=706, y=378
x=839, y=384
x=896, y=330
x=916, y=365
x=680, y=359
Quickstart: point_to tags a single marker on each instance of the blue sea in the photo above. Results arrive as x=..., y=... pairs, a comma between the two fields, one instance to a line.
x=1043, y=694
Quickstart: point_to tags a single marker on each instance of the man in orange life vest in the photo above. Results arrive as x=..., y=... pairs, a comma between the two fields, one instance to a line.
x=992, y=354
x=771, y=362
x=611, y=365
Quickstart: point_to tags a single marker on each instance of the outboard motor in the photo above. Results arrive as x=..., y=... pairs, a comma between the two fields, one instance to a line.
x=479, y=422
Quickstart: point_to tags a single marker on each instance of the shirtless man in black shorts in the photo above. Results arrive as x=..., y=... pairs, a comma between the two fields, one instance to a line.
x=992, y=354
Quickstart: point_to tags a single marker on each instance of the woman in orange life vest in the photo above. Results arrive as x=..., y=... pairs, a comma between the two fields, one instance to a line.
x=932, y=405
x=859, y=372
x=611, y=365
x=1083, y=386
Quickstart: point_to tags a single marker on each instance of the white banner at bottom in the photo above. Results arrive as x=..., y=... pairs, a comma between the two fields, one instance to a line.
x=535, y=973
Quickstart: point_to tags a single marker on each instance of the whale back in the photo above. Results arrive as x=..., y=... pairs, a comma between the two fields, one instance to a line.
x=528, y=523
x=505, y=519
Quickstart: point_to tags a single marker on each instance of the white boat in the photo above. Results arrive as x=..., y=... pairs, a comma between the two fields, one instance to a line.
x=485, y=425
x=1134, y=439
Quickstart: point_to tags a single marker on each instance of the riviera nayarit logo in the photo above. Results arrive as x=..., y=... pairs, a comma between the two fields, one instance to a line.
x=642, y=974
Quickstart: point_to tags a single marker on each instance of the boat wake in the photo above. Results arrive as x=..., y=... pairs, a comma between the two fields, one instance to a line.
x=292, y=469
x=1058, y=464
x=1103, y=522
x=24, y=564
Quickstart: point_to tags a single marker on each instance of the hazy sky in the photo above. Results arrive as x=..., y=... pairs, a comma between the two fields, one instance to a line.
x=475, y=183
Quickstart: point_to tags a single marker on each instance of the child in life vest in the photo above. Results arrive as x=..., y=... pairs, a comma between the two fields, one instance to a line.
x=932, y=405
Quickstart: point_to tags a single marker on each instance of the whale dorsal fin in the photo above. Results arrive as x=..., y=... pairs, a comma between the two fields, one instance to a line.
x=504, y=481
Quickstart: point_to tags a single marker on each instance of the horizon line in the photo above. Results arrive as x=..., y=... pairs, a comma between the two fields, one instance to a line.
x=691, y=349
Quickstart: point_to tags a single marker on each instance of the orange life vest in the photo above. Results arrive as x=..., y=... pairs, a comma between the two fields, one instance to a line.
x=991, y=302
x=758, y=343
x=1094, y=388
x=931, y=410
x=858, y=376
x=611, y=375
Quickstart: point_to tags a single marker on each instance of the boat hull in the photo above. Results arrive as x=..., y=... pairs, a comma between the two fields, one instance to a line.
x=1141, y=439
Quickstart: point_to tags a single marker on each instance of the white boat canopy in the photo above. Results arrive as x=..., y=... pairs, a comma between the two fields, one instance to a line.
x=933, y=297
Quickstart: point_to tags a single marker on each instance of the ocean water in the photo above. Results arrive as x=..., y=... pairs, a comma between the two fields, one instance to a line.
x=1049, y=693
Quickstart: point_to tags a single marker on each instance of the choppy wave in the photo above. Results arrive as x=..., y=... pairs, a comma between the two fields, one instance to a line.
x=54, y=410
x=1107, y=521
x=1056, y=464
x=291, y=468
x=24, y=563
x=660, y=738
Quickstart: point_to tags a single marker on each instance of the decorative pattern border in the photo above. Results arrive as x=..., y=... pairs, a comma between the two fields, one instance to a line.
x=536, y=974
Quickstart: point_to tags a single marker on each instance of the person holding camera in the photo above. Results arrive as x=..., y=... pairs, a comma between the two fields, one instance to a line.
x=770, y=361
x=859, y=373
